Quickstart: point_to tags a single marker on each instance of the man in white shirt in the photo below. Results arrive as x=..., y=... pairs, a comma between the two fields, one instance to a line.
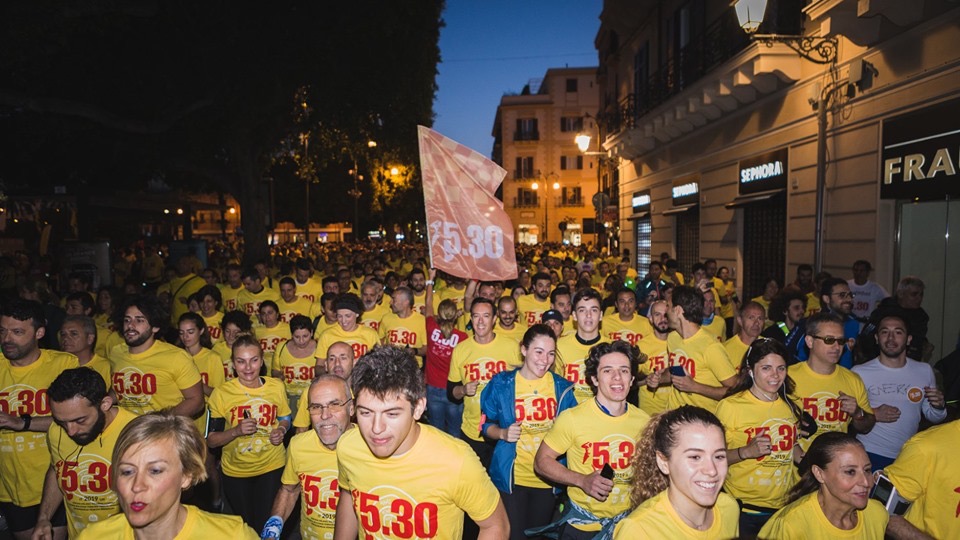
x=899, y=390
x=866, y=294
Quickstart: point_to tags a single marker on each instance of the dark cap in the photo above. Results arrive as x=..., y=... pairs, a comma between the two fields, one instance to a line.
x=349, y=301
x=551, y=315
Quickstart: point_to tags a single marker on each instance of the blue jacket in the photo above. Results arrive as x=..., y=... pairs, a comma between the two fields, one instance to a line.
x=497, y=401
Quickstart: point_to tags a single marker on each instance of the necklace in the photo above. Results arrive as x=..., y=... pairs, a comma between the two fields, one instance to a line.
x=690, y=521
x=763, y=395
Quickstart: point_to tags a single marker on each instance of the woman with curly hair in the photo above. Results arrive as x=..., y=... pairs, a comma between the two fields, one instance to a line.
x=680, y=465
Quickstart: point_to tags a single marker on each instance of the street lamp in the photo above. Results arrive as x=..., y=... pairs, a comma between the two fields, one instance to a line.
x=821, y=50
x=605, y=160
x=355, y=192
x=750, y=14
x=546, y=207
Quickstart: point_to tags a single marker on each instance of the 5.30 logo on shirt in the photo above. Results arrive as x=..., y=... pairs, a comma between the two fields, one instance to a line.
x=391, y=513
x=133, y=382
x=20, y=399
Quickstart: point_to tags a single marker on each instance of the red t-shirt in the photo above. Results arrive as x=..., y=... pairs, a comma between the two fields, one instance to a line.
x=439, y=351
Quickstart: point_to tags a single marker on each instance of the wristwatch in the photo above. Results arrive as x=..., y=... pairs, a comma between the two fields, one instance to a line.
x=26, y=422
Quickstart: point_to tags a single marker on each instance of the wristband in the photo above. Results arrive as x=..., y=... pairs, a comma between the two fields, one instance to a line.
x=272, y=528
x=739, y=455
x=428, y=282
x=26, y=422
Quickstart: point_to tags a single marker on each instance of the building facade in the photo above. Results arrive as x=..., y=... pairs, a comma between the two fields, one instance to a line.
x=725, y=142
x=550, y=184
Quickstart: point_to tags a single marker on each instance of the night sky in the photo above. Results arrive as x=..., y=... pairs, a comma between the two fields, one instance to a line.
x=492, y=47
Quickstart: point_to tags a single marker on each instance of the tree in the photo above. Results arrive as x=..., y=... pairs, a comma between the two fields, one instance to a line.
x=211, y=94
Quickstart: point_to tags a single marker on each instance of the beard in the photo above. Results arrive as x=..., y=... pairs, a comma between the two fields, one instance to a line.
x=84, y=439
x=140, y=339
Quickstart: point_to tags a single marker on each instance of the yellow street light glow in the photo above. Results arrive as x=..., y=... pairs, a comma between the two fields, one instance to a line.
x=179, y=211
x=166, y=210
x=394, y=171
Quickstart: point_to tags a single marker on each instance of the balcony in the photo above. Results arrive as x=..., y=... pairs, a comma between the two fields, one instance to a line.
x=719, y=72
x=526, y=135
x=570, y=203
x=526, y=174
x=526, y=203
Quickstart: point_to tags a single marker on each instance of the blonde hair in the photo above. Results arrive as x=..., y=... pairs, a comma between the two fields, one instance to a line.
x=163, y=426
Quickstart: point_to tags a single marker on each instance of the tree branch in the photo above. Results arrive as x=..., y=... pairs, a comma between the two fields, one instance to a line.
x=98, y=114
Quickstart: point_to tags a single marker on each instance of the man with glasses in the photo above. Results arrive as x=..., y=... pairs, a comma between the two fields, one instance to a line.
x=311, y=470
x=836, y=298
x=339, y=361
x=832, y=394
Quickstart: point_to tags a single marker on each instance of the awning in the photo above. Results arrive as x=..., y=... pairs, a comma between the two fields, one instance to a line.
x=744, y=200
x=638, y=215
x=680, y=209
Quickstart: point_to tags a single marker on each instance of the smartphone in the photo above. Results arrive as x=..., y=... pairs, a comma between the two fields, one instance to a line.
x=709, y=284
x=607, y=471
x=246, y=413
x=885, y=492
x=677, y=371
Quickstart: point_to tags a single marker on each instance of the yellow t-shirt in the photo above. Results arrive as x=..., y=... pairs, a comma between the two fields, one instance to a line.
x=113, y=339
x=312, y=290
x=653, y=401
x=631, y=331
x=717, y=327
x=323, y=326
x=103, y=341
x=300, y=306
x=813, y=304
x=314, y=467
x=656, y=518
x=409, y=332
x=371, y=319
x=270, y=339
x=249, y=302
x=420, y=302
x=83, y=473
x=213, y=326
x=530, y=309
x=720, y=290
x=819, y=396
x=297, y=372
x=803, y=519
x=230, y=296
x=251, y=455
x=102, y=366
x=765, y=481
x=181, y=288
x=736, y=349
x=397, y=498
x=591, y=438
x=226, y=358
x=472, y=361
x=154, y=379
x=24, y=456
x=536, y=407
x=211, y=374
x=515, y=333
x=704, y=359
x=302, y=418
x=362, y=339
x=571, y=355
x=926, y=472
x=199, y=524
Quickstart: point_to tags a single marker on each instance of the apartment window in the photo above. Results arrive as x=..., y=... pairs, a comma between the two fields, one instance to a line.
x=524, y=168
x=571, y=124
x=641, y=75
x=571, y=85
x=526, y=198
x=572, y=196
x=571, y=162
x=527, y=130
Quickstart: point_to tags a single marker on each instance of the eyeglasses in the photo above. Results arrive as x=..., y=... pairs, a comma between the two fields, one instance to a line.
x=830, y=340
x=333, y=406
x=844, y=294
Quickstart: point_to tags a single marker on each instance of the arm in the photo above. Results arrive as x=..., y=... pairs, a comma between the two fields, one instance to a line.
x=687, y=384
x=495, y=527
x=547, y=466
x=470, y=293
x=863, y=421
x=284, y=502
x=15, y=423
x=216, y=439
x=52, y=498
x=428, y=294
x=192, y=404
x=346, y=526
x=899, y=528
x=757, y=448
